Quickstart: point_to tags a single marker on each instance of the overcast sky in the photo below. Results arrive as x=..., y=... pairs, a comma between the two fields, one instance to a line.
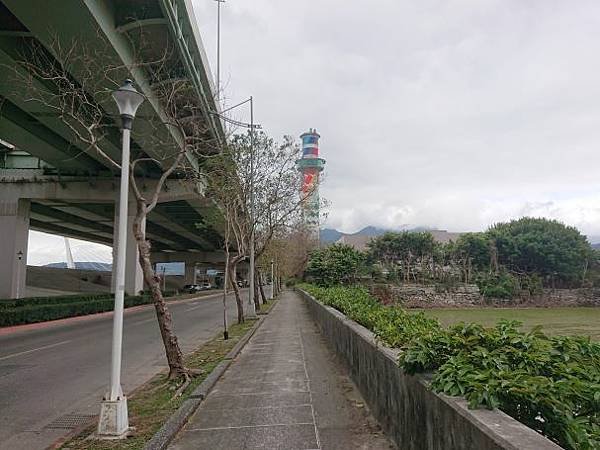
x=447, y=114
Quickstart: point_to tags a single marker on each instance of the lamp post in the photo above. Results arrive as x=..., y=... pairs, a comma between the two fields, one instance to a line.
x=114, y=420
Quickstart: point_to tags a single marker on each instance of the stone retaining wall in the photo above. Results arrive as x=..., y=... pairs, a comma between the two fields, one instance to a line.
x=467, y=295
x=411, y=414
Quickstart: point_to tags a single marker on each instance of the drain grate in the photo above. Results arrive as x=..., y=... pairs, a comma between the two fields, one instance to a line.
x=69, y=421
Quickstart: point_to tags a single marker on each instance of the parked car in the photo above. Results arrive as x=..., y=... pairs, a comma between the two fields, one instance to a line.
x=192, y=288
x=205, y=286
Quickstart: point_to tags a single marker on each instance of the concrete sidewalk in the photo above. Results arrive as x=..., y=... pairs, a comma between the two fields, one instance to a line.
x=285, y=390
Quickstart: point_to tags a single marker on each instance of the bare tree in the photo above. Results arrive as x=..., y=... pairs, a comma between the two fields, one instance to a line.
x=277, y=201
x=170, y=123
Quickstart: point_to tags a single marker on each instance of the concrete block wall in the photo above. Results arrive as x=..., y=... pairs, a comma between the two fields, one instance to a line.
x=412, y=415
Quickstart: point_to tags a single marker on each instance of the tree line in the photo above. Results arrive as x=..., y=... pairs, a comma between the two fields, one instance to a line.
x=513, y=257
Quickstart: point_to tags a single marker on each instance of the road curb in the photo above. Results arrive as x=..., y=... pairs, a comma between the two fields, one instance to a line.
x=179, y=418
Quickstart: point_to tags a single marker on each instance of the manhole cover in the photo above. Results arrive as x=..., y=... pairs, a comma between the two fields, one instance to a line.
x=69, y=421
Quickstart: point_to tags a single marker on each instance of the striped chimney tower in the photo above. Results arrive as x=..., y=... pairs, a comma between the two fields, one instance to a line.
x=310, y=166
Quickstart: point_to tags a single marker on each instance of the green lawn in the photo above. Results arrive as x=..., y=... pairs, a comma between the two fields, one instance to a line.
x=566, y=321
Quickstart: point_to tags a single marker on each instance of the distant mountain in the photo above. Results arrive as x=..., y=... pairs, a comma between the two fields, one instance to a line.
x=371, y=231
x=84, y=265
x=329, y=236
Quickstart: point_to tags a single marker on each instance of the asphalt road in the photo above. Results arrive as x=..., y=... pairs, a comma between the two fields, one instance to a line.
x=51, y=371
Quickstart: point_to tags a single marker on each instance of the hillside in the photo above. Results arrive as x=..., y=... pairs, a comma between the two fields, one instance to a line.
x=329, y=235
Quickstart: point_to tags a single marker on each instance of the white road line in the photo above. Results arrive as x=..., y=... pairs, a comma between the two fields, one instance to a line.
x=195, y=307
x=143, y=321
x=34, y=350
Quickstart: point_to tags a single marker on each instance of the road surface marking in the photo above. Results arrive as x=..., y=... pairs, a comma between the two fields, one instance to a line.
x=152, y=319
x=34, y=350
x=195, y=307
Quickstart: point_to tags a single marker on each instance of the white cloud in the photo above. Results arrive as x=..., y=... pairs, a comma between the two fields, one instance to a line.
x=454, y=114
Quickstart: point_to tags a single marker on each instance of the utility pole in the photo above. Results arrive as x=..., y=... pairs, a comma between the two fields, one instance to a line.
x=251, y=308
x=219, y=48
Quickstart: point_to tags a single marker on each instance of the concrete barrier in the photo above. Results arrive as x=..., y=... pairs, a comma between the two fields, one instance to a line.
x=409, y=412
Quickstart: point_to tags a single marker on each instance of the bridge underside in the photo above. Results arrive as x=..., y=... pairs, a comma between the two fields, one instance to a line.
x=44, y=190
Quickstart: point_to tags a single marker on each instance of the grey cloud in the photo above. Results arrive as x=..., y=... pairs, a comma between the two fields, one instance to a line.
x=454, y=114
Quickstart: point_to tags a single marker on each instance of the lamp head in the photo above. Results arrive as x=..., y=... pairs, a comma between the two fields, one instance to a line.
x=128, y=100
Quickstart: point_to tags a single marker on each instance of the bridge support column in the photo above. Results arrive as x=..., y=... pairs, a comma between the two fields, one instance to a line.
x=189, y=273
x=134, y=278
x=14, y=234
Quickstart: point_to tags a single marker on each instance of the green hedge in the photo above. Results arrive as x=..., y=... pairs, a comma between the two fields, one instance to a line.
x=41, y=309
x=62, y=299
x=551, y=384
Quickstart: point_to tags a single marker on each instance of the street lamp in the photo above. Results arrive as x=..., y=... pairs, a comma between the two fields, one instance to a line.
x=114, y=420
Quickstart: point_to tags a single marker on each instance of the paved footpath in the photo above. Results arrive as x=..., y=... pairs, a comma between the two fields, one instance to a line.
x=285, y=390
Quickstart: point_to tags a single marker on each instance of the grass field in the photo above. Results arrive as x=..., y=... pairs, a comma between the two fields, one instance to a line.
x=566, y=321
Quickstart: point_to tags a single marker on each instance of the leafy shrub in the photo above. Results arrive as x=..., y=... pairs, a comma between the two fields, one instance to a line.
x=503, y=285
x=338, y=263
x=551, y=384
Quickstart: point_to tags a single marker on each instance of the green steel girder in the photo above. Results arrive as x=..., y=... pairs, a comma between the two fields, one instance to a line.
x=69, y=232
x=82, y=20
x=28, y=133
x=187, y=37
x=159, y=235
x=188, y=218
x=48, y=211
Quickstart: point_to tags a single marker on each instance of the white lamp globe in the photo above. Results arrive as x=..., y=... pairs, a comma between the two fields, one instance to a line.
x=128, y=100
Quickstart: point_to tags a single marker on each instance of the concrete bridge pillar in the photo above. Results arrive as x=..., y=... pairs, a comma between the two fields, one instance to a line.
x=189, y=273
x=14, y=234
x=134, y=278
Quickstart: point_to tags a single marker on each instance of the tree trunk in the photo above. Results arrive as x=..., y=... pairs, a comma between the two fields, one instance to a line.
x=236, y=290
x=165, y=321
x=262, y=291
x=256, y=283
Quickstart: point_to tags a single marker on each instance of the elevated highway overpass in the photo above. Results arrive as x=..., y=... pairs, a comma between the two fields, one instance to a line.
x=50, y=180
